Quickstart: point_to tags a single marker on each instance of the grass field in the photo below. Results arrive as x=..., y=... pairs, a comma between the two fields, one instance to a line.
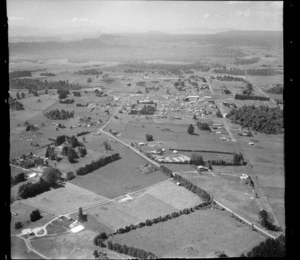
x=176, y=196
x=63, y=200
x=23, y=216
x=229, y=191
x=119, y=177
x=201, y=232
x=67, y=246
x=19, y=250
x=112, y=216
x=176, y=137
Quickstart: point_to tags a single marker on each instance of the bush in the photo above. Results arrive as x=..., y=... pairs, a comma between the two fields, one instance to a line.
x=35, y=215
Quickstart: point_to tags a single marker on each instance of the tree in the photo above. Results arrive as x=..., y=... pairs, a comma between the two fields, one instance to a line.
x=80, y=214
x=89, y=80
x=196, y=159
x=95, y=253
x=103, y=236
x=18, y=225
x=191, y=129
x=149, y=137
x=51, y=175
x=46, y=91
x=18, y=95
x=107, y=146
x=35, y=215
x=72, y=155
x=70, y=176
x=23, y=95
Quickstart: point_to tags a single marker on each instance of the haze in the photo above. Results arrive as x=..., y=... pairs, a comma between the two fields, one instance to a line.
x=51, y=18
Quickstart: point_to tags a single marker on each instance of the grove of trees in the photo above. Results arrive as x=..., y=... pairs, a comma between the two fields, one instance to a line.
x=59, y=114
x=261, y=119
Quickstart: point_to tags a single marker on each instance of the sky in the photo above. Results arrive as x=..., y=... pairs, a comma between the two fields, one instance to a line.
x=143, y=16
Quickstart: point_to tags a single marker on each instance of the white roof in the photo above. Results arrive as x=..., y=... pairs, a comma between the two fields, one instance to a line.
x=77, y=229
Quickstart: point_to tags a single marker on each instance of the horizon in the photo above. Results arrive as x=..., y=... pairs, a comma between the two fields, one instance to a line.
x=115, y=17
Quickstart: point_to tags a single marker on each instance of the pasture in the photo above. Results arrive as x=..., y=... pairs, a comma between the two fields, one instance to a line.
x=64, y=200
x=203, y=231
x=19, y=250
x=176, y=137
x=67, y=246
x=119, y=177
x=228, y=190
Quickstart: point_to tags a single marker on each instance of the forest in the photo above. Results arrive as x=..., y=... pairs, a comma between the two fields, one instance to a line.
x=262, y=119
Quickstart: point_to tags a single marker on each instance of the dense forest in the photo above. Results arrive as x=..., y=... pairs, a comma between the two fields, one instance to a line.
x=261, y=119
x=250, y=97
x=39, y=84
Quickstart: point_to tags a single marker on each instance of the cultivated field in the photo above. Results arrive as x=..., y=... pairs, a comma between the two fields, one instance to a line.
x=193, y=235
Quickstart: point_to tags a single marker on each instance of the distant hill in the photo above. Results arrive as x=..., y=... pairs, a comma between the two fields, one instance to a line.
x=244, y=37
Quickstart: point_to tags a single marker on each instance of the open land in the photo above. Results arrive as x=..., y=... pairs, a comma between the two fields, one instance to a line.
x=171, y=79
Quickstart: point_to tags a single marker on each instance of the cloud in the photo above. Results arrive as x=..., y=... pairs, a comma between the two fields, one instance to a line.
x=14, y=18
x=206, y=16
x=237, y=2
x=75, y=19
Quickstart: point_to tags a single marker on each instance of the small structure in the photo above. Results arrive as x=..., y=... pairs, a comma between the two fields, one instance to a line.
x=201, y=168
x=175, y=151
x=244, y=176
x=251, y=143
x=77, y=229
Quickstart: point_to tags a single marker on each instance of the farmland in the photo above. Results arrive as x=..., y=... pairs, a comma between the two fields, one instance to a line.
x=195, y=235
x=147, y=103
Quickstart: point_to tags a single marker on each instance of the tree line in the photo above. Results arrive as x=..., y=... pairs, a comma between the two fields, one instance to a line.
x=261, y=119
x=36, y=84
x=131, y=251
x=248, y=97
x=227, y=78
x=150, y=222
x=94, y=165
x=241, y=61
